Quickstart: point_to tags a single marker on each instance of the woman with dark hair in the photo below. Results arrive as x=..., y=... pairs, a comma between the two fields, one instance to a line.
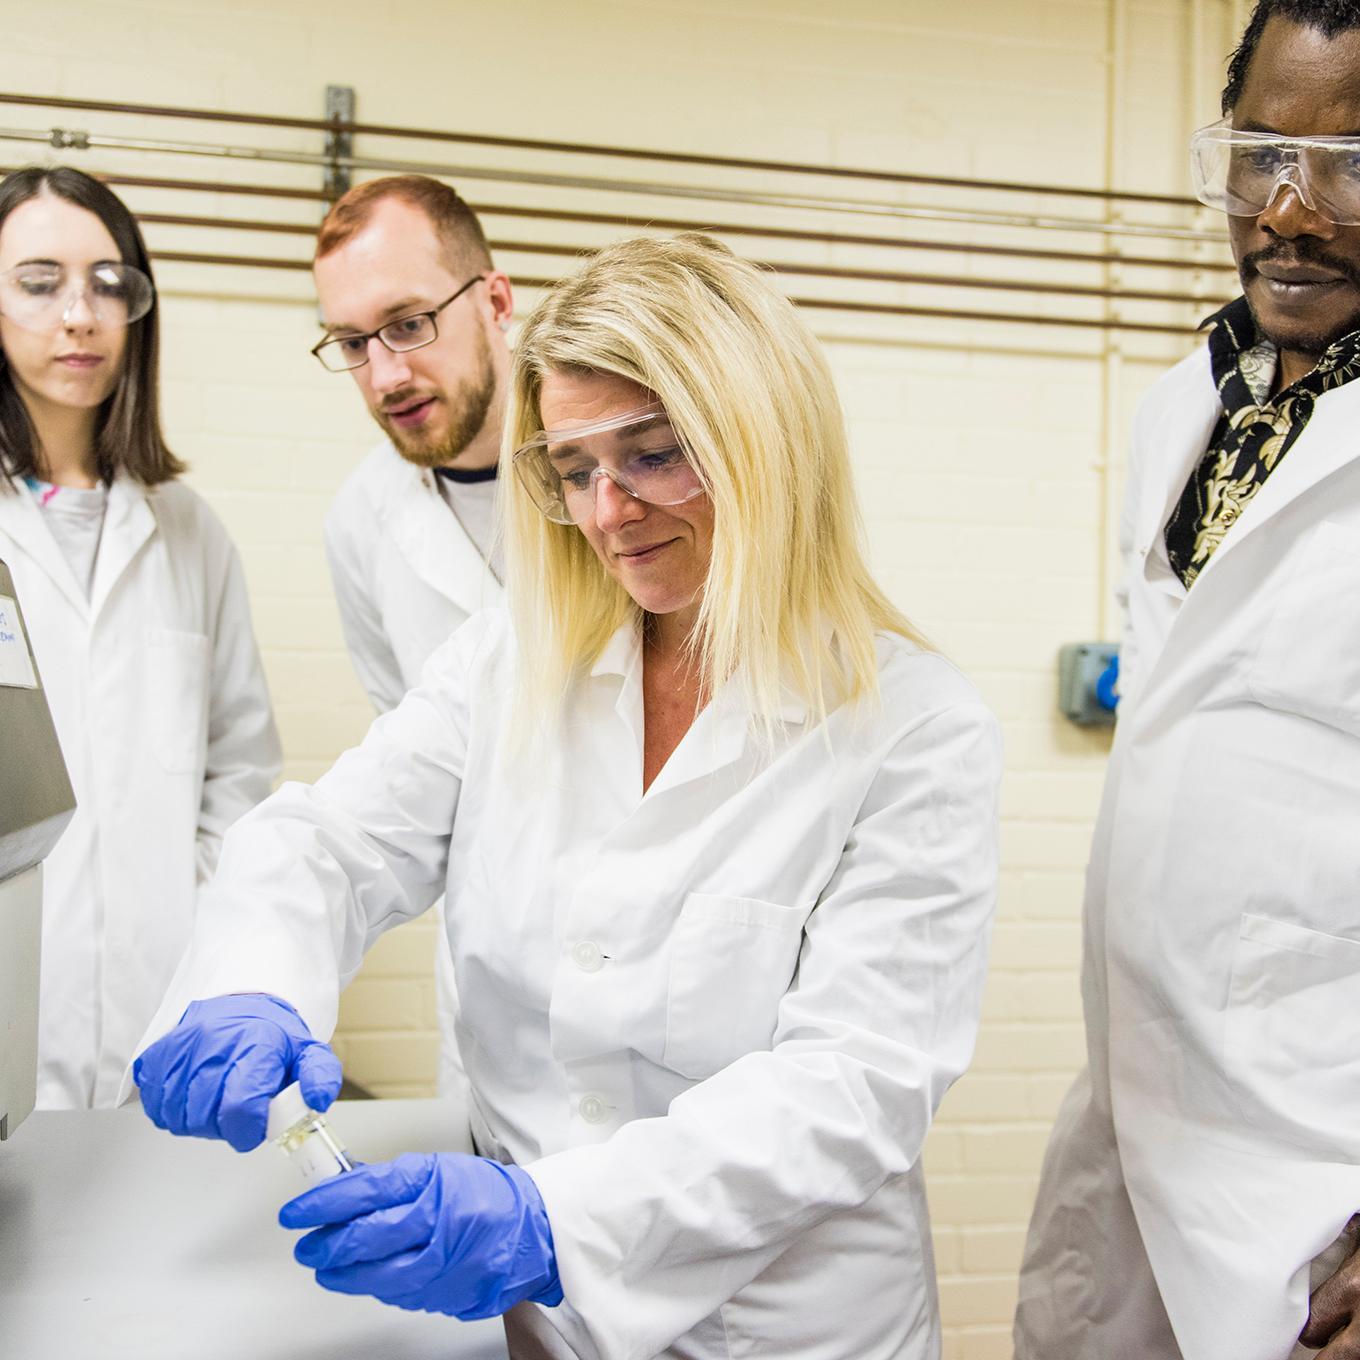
x=137, y=613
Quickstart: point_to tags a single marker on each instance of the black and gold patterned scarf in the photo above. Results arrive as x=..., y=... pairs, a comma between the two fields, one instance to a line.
x=1254, y=433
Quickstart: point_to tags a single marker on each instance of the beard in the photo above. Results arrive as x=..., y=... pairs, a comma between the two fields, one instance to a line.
x=467, y=407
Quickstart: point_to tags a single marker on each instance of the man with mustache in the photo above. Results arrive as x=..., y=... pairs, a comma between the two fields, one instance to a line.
x=416, y=312
x=1198, y=1192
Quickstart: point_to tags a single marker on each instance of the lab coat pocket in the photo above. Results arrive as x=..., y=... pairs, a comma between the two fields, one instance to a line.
x=1308, y=660
x=1292, y=1033
x=731, y=961
x=177, y=697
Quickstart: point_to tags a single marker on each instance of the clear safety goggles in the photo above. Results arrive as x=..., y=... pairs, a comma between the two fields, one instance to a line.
x=42, y=297
x=1242, y=173
x=639, y=451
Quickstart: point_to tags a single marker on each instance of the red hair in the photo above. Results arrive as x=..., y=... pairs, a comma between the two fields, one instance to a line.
x=454, y=222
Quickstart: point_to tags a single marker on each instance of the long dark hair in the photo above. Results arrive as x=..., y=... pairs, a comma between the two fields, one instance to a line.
x=128, y=429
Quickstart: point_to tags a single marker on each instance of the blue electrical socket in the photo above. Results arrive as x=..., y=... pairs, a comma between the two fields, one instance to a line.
x=1088, y=675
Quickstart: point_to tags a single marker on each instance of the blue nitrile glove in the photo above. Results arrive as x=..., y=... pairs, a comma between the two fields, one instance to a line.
x=215, y=1073
x=439, y=1232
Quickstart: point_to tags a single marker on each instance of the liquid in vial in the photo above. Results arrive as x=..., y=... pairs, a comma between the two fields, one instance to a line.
x=303, y=1134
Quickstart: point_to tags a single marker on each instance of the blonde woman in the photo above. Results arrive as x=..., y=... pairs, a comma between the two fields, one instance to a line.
x=718, y=837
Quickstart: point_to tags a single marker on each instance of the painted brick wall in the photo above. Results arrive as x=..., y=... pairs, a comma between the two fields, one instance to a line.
x=988, y=455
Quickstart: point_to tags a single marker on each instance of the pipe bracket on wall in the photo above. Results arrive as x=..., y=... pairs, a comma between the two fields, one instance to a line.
x=340, y=108
x=65, y=140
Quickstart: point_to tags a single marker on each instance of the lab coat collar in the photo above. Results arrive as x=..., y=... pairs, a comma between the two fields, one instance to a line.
x=622, y=656
x=1189, y=412
x=1325, y=446
x=429, y=537
x=21, y=521
x=1188, y=417
x=721, y=733
x=128, y=525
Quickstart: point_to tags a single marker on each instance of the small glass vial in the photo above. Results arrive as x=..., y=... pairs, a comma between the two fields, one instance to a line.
x=310, y=1143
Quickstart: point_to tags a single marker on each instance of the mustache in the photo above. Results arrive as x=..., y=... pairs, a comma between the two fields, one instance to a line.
x=1305, y=250
x=390, y=404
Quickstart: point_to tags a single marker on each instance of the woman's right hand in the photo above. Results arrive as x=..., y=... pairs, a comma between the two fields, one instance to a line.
x=214, y=1074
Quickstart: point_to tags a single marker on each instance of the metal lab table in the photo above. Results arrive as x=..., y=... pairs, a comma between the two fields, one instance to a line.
x=119, y=1242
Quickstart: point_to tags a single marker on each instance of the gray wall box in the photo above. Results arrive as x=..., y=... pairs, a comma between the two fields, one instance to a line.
x=1081, y=665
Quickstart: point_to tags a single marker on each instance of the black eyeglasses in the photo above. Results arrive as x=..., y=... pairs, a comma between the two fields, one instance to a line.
x=340, y=353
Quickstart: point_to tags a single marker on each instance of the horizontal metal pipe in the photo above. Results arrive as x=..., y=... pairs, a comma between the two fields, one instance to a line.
x=823, y=304
x=225, y=223
x=781, y=267
x=850, y=239
x=250, y=261
x=990, y=284
x=684, y=224
x=201, y=186
x=80, y=140
x=950, y=314
x=595, y=149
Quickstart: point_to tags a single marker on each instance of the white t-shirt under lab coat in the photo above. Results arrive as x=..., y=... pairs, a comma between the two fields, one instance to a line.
x=75, y=517
x=713, y=1020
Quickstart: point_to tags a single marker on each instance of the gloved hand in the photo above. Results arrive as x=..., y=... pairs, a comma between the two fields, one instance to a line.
x=214, y=1074
x=442, y=1233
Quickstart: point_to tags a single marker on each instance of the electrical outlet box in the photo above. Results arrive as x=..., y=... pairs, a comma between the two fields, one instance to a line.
x=1088, y=673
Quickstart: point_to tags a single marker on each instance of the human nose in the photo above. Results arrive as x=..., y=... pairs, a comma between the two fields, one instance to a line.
x=388, y=372
x=1289, y=213
x=614, y=507
x=78, y=314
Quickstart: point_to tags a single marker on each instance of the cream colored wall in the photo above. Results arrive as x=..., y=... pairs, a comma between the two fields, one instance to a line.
x=988, y=456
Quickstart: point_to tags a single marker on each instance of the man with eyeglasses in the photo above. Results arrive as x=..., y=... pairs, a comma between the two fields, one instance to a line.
x=415, y=312
x=1198, y=1192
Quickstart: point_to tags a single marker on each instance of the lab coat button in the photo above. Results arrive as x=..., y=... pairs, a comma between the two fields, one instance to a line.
x=587, y=957
x=593, y=1110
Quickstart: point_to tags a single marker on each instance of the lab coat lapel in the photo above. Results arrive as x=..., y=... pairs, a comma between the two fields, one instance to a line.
x=1329, y=442
x=1172, y=448
x=21, y=521
x=1181, y=439
x=719, y=738
x=716, y=739
x=128, y=524
x=436, y=546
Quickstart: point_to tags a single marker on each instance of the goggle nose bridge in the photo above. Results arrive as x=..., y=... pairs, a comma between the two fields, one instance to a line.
x=1291, y=174
x=80, y=292
x=602, y=471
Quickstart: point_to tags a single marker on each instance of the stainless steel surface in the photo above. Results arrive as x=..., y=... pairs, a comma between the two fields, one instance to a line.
x=20, y=957
x=36, y=801
x=119, y=1242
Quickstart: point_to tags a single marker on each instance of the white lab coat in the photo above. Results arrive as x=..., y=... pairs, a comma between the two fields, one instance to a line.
x=406, y=577
x=164, y=721
x=713, y=1021
x=1212, y=1150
